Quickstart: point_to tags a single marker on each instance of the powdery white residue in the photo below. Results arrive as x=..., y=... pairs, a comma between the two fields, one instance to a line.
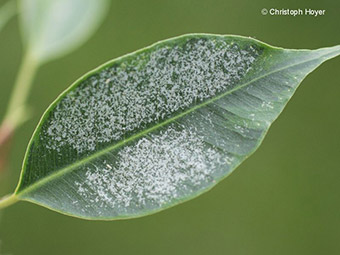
x=146, y=88
x=153, y=172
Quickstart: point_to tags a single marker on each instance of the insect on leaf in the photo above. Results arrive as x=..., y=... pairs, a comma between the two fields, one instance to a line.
x=159, y=126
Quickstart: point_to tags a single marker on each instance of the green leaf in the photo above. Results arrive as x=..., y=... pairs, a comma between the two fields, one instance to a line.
x=53, y=28
x=160, y=126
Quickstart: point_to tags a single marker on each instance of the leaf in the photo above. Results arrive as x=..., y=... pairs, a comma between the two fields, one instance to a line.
x=159, y=126
x=53, y=28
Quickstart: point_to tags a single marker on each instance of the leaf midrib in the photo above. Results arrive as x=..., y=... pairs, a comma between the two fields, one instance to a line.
x=65, y=170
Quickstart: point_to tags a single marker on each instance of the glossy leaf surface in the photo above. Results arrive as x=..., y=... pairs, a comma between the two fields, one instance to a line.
x=161, y=125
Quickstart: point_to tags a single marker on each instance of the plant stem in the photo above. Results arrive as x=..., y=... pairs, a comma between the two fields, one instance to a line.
x=8, y=200
x=16, y=110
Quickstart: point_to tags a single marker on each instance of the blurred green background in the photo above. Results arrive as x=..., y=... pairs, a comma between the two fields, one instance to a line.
x=282, y=200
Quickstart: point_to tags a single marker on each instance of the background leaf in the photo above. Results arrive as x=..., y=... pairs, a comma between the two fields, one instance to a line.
x=55, y=27
x=160, y=126
x=282, y=200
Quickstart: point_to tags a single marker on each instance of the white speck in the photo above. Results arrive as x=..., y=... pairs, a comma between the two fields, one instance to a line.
x=151, y=87
x=240, y=129
x=266, y=104
x=252, y=116
x=154, y=171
